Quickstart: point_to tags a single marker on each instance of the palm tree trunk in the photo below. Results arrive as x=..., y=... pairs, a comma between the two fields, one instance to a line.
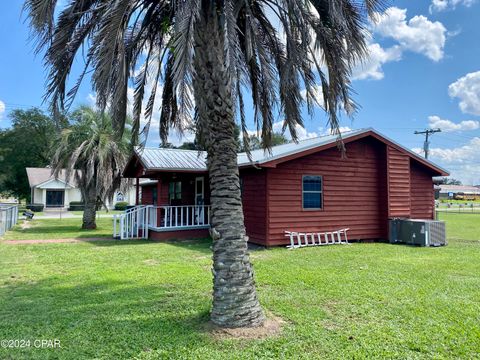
x=235, y=302
x=90, y=210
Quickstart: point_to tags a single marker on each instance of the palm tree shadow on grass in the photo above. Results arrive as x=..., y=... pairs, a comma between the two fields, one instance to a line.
x=59, y=229
x=106, y=319
x=195, y=245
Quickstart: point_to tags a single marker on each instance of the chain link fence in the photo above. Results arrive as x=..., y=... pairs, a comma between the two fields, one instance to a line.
x=458, y=208
x=8, y=217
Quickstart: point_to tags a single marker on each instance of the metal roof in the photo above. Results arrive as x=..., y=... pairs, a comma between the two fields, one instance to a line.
x=185, y=160
x=38, y=176
x=261, y=156
x=172, y=159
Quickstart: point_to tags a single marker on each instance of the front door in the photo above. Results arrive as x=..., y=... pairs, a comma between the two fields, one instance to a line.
x=55, y=198
x=199, y=199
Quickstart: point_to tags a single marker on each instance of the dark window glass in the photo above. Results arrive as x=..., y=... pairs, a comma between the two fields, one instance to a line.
x=312, y=192
x=175, y=190
x=199, y=186
x=154, y=196
x=178, y=190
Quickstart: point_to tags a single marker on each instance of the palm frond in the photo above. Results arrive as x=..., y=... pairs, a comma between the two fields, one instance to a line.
x=277, y=49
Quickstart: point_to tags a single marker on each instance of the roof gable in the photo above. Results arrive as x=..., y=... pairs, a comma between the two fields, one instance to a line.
x=331, y=141
x=38, y=176
x=54, y=184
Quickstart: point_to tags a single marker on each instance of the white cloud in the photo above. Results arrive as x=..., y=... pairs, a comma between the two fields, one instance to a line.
x=463, y=154
x=443, y=5
x=449, y=126
x=462, y=161
x=328, y=131
x=468, y=174
x=317, y=95
x=467, y=89
x=302, y=133
x=419, y=34
x=2, y=108
x=371, y=68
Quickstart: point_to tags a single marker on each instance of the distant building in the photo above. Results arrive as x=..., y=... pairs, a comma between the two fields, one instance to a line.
x=458, y=191
x=57, y=192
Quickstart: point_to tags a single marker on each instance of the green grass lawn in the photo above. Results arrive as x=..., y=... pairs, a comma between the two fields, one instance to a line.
x=147, y=300
x=461, y=226
x=100, y=212
x=58, y=229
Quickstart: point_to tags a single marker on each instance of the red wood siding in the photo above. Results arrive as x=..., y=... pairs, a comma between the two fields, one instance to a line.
x=147, y=194
x=254, y=204
x=398, y=173
x=422, y=193
x=352, y=193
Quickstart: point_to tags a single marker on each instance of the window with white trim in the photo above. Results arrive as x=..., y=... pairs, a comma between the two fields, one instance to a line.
x=312, y=192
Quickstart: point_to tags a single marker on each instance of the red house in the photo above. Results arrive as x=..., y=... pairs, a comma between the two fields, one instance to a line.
x=304, y=187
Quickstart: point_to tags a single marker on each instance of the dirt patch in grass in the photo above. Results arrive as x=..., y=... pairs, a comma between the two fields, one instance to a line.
x=271, y=328
x=151, y=262
x=48, y=241
x=25, y=225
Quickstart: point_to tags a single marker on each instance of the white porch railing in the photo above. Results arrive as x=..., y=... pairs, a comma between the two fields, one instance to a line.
x=136, y=222
x=179, y=217
x=132, y=224
x=8, y=217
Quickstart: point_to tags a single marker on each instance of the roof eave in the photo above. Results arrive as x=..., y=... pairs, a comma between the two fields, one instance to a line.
x=39, y=186
x=184, y=170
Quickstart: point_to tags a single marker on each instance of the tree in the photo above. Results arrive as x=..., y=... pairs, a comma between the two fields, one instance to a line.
x=254, y=141
x=189, y=146
x=27, y=143
x=167, y=145
x=212, y=50
x=451, y=181
x=90, y=151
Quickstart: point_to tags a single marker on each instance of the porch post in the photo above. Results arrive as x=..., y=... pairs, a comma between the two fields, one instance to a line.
x=137, y=192
x=159, y=201
x=159, y=192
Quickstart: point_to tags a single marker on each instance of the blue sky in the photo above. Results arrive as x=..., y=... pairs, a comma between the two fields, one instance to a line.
x=423, y=71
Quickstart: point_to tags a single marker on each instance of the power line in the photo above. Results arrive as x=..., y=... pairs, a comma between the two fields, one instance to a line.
x=463, y=136
x=426, y=144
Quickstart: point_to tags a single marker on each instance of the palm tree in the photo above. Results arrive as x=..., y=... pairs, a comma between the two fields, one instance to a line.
x=90, y=151
x=207, y=55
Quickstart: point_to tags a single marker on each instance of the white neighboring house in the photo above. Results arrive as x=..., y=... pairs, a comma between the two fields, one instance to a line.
x=57, y=192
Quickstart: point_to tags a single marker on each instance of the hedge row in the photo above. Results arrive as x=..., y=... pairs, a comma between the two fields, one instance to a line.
x=76, y=206
x=35, y=207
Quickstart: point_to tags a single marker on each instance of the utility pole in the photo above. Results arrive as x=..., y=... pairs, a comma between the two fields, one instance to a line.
x=427, y=133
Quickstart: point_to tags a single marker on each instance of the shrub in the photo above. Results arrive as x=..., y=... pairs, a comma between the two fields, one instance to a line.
x=76, y=206
x=121, y=205
x=35, y=207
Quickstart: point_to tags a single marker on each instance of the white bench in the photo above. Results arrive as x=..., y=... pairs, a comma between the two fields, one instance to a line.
x=298, y=239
